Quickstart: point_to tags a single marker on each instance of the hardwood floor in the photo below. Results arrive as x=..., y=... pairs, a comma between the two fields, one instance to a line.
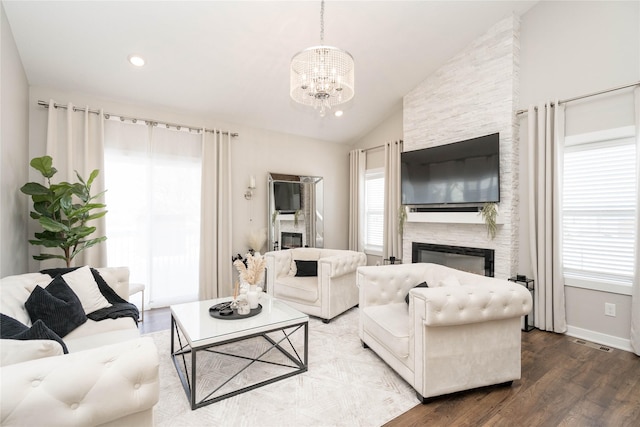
x=155, y=320
x=562, y=384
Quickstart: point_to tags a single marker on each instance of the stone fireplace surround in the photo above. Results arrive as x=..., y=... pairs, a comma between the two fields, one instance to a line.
x=475, y=93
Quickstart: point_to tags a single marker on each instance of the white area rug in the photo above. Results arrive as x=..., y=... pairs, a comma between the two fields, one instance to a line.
x=346, y=385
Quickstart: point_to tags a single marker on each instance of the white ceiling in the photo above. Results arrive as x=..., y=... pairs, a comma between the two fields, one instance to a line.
x=230, y=59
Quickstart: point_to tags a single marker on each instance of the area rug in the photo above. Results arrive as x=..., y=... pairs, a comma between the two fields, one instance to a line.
x=345, y=385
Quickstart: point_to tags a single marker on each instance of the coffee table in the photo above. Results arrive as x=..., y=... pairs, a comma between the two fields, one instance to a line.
x=195, y=331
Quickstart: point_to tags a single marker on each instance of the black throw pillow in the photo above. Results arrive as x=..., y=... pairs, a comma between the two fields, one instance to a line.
x=306, y=268
x=419, y=285
x=13, y=329
x=57, y=306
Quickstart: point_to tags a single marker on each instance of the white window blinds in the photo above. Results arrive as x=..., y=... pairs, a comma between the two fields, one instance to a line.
x=374, y=210
x=599, y=203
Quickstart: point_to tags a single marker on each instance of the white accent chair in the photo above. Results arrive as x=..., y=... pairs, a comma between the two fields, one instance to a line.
x=460, y=333
x=329, y=294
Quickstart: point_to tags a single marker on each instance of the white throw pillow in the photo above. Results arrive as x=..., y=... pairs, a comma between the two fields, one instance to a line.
x=81, y=281
x=16, y=351
x=450, y=281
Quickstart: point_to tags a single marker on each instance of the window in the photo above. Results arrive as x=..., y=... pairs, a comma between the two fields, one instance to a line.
x=373, y=210
x=600, y=200
x=153, y=198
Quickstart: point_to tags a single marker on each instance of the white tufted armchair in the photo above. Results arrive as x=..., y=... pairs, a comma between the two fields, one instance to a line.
x=460, y=333
x=331, y=292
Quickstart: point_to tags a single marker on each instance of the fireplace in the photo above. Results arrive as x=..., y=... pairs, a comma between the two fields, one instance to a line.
x=290, y=240
x=472, y=260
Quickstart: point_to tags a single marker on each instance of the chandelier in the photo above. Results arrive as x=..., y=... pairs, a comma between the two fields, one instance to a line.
x=322, y=76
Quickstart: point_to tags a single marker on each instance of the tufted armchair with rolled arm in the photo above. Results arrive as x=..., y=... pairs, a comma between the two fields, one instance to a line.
x=318, y=282
x=461, y=331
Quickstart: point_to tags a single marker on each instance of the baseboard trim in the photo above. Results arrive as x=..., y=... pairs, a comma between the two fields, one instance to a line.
x=600, y=338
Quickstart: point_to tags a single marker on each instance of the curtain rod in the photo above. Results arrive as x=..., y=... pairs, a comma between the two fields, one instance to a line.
x=134, y=119
x=378, y=146
x=563, y=101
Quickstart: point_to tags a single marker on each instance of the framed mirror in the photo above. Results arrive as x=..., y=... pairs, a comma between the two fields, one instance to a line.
x=295, y=208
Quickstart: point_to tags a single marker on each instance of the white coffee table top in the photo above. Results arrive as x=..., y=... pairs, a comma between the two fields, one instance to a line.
x=200, y=329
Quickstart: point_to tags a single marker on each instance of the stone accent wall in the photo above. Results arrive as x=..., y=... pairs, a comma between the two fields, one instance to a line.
x=473, y=94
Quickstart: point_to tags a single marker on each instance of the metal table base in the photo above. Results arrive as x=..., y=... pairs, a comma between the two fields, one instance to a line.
x=299, y=363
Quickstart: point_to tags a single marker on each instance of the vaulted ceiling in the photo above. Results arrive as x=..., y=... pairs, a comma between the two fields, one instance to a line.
x=229, y=60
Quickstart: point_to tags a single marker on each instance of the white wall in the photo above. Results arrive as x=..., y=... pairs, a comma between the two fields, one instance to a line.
x=14, y=161
x=255, y=152
x=571, y=49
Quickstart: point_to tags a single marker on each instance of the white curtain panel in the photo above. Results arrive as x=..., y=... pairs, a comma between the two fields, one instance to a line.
x=357, y=163
x=635, y=290
x=75, y=141
x=545, y=154
x=392, y=240
x=153, y=198
x=215, y=227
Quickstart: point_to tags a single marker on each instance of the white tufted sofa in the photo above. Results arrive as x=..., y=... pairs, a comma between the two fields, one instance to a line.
x=332, y=292
x=108, y=378
x=460, y=333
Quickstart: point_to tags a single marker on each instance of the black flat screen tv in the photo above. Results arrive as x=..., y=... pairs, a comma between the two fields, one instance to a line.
x=465, y=172
x=286, y=196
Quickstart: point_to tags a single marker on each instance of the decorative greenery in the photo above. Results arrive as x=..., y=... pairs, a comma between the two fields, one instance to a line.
x=63, y=210
x=489, y=214
x=274, y=215
x=402, y=218
x=296, y=216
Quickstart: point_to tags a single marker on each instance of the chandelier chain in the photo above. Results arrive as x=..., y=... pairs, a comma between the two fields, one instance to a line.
x=322, y=22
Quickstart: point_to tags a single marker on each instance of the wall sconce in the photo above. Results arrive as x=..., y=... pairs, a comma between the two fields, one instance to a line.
x=252, y=186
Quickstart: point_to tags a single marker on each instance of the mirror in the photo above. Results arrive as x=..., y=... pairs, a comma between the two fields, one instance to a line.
x=295, y=207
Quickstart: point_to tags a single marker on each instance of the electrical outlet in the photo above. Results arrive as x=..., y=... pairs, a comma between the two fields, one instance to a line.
x=609, y=309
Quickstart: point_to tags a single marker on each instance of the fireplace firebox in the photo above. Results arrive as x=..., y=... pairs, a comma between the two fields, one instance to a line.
x=291, y=240
x=472, y=260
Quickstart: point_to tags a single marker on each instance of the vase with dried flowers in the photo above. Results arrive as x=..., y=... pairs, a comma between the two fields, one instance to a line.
x=251, y=270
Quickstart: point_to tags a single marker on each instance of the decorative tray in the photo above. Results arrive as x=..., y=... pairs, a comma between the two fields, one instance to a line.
x=224, y=311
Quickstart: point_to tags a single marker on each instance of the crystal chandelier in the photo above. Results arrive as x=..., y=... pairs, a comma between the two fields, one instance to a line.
x=322, y=76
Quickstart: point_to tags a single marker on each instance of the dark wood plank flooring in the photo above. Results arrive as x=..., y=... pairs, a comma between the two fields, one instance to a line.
x=562, y=384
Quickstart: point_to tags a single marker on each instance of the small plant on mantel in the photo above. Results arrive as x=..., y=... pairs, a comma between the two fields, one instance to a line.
x=489, y=214
x=402, y=218
x=63, y=210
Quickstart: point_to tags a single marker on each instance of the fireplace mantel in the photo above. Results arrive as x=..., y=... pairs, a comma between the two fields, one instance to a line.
x=449, y=217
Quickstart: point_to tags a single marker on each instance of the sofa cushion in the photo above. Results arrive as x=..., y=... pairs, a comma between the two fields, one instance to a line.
x=12, y=329
x=389, y=324
x=302, y=289
x=306, y=268
x=86, y=288
x=419, y=285
x=57, y=306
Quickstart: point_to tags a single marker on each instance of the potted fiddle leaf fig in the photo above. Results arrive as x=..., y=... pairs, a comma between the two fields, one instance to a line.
x=63, y=210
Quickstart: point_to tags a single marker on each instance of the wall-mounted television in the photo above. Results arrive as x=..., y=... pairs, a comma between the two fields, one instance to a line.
x=465, y=172
x=286, y=196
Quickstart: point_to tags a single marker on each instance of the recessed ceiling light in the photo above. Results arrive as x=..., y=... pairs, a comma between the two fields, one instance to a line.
x=338, y=113
x=136, y=60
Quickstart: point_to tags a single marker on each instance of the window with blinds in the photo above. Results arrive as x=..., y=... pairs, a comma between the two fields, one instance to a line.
x=599, y=203
x=373, y=210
